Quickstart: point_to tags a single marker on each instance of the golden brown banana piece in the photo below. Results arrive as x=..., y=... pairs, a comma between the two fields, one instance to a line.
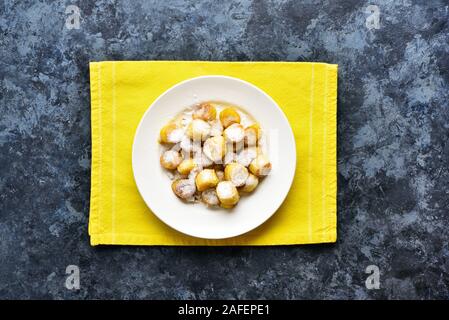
x=252, y=134
x=215, y=148
x=250, y=184
x=234, y=133
x=227, y=194
x=186, y=166
x=198, y=130
x=171, y=133
x=210, y=197
x=260, y=166
x=170, y=159
x=236, y=173
x=183, y=188
x=206, y=112
x=206, y=179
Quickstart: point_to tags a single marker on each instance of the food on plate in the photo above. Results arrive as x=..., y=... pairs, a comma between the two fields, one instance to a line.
x=206, y=179
x=215, y=148
x=234, y=133
x=203, y=159
x=186, y=166
x=236, y=173
x=220, y=174
x=247, y=155
x=260, y=166
x=252, y=134
x=205, y=111
x=227, y=194
x=198, y=130
x=184, y=188
x=171, y=133
x=250, y=184
x=213, y=152
x=216, y=128
x=210, y=197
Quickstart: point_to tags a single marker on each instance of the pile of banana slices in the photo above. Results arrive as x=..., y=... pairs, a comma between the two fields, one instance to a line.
x=213, y=159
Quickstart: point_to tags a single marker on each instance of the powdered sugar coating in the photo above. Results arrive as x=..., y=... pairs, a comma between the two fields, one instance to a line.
x=210, y=197
x=200, y=138
x=234, y=133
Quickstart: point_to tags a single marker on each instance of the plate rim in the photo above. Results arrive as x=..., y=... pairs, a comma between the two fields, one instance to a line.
x=214, y=76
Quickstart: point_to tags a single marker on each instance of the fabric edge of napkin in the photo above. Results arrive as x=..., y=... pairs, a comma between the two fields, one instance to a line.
x=99, y=238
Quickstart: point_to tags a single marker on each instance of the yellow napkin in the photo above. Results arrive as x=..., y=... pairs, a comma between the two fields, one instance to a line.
x=121, y=92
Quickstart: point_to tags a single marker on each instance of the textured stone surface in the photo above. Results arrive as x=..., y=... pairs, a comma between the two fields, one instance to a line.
x=393, y=154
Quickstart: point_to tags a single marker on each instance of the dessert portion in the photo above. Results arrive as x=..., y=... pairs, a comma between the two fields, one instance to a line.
x=213, y=153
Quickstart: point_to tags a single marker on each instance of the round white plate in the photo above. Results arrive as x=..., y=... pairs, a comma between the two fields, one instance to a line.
x=195, y=219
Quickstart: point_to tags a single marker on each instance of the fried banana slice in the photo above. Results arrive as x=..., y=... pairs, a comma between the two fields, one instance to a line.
x=215, y=148
x=183, y=188
x=206, y=179
x=234, y=133
x=210, y=197
x=171, y=133
x=186, y=166
x=260, y=166
x=227, y=194
x=250, y=184
x=236, y=173
x=252, y=134
x=229, y=116
x=205, y=111
x=198, y=130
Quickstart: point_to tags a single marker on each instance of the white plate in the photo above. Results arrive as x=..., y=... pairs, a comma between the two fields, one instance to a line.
x=196, y=219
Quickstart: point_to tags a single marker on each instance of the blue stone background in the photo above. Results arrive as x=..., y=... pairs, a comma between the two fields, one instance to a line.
x=393, y=149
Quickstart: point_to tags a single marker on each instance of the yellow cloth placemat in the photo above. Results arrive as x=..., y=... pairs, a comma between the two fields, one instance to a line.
x=122, y=91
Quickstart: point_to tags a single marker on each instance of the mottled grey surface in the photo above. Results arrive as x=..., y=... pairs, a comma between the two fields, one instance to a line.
x=393, y=153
